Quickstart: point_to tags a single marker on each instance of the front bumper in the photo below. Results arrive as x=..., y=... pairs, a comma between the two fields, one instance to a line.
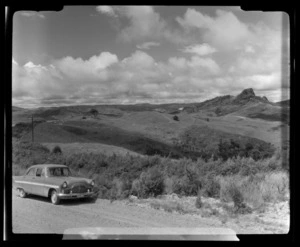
x=92, y=194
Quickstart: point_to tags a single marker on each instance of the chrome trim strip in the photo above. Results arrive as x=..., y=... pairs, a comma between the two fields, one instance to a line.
x=48, y=185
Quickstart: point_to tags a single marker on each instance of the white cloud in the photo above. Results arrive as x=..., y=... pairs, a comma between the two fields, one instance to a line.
x=147, y=45
x=31, y=66
x=79, y=69
x=265, y=81
x=224, y=31
x=196, y=66
x=139, y=59
x=141, y=23
x=104, y=77
x=144, y=22
x=108, y=10
x=34, y=81
x=199, y=49
x=207, y=63
x=32, y=14
x=249, y=49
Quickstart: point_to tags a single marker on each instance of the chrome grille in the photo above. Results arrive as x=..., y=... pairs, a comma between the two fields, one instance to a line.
x=79, y=189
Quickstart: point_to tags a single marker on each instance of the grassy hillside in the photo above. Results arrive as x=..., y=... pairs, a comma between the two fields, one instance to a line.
x=188, y=141
x=89, y=132
x=96, y=148
x=151, y=129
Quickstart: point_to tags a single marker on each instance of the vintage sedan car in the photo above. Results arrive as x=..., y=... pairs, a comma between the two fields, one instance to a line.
x=56, y=182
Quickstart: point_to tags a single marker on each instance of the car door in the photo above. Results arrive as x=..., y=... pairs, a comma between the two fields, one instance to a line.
x=39, y=181
x=27, y=180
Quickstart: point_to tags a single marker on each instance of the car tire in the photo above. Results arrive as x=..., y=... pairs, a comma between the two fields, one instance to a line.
x=22, y=193
x=54, y=198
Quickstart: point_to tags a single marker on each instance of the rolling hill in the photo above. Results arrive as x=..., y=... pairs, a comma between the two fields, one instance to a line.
x=151, y=129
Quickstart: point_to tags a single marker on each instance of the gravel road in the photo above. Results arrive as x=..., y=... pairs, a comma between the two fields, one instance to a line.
x=37, y=215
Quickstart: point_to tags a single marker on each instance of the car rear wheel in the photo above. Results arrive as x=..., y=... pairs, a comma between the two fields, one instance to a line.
x=54, y=198
x=22, y=193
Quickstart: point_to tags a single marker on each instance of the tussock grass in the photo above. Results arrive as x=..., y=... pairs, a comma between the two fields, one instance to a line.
x=257, y=189
x=171, y=206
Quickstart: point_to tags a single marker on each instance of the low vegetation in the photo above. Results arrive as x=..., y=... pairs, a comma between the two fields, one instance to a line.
x=243, y=181
x=202, y=141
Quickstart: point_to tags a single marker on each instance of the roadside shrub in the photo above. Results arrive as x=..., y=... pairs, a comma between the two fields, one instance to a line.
x=248, y=166
x=117, y=188
x=198, y=202
x=56, y=150
x=211, y=187
x=230, y=167
x=256, y=190
x=275, y=186
x=152, y=182
x=236, y=195
x=208, y=211
x=230, y=191
x=168, y=185
x=185, y=187
x=136, y=188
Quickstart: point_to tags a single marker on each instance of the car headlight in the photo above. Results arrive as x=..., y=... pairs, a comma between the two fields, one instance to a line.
x=92, y=183
x=64, y=185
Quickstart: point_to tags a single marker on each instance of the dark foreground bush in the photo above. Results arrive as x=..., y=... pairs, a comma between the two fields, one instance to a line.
x=152, y=183
x=56, y=150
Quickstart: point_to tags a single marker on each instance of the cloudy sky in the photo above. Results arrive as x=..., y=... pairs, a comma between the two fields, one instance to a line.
x=146, y=54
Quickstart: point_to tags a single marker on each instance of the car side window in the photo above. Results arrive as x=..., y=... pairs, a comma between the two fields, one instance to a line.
x=39, y=172
x=31, y=172
x=43, y=172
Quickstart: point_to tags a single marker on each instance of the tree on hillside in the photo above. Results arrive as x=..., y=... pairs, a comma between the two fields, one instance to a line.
x=94, y=112
x=56, y=150
x=228, y=149
x=176, y=118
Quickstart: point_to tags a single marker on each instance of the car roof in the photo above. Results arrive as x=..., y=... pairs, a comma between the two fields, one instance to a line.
x=47, y=165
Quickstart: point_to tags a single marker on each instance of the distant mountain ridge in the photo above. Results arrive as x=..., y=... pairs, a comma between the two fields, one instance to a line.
x=283, y=103
x=245, y=104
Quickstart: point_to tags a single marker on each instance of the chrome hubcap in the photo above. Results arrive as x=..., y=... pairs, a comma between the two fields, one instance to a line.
x=22, y=193
x=54, y=198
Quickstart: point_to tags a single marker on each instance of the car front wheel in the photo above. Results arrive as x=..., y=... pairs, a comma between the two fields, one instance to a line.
x=54, y=198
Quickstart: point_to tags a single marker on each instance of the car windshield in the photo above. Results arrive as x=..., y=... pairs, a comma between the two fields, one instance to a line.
x=59, y=172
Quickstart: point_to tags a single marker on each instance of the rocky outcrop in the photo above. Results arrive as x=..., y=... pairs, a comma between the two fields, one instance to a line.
x=244, y=96
x=265, y=99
